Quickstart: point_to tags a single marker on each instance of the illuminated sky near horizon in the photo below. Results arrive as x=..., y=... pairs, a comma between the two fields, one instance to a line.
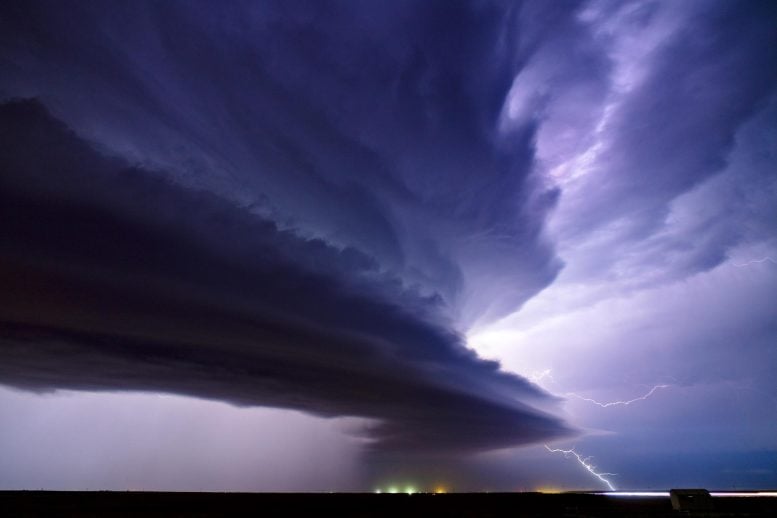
x=347, y=245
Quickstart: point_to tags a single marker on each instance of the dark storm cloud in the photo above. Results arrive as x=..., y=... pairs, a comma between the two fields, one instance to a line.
x=348, y=121
x=114, y=278
x=320, y=200
x=308, y=205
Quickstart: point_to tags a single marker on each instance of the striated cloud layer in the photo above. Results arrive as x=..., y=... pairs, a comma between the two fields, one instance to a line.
x=117, y=279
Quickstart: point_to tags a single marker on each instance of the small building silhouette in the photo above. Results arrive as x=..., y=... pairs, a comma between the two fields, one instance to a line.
x=690, y=499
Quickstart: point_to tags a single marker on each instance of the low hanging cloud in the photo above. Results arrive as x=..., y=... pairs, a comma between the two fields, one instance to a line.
x=293, y=204
x=116, y=279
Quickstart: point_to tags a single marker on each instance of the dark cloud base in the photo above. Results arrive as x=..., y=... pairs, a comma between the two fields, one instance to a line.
x=114, y=279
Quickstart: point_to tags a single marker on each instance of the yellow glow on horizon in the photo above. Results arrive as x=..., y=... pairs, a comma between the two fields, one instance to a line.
x=549, y=490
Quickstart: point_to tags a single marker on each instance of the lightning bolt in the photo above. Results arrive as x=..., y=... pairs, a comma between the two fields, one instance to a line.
x=616, y=403
x=756, y=261
x=585, y=462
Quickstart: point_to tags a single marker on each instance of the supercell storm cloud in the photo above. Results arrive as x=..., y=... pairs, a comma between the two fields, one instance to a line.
x=321, y=219
x=339, y=207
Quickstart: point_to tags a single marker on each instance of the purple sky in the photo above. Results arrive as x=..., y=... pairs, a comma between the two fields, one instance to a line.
x=359, y=245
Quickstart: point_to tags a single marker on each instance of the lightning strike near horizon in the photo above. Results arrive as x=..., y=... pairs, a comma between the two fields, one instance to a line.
x=616, y=403
x=585, y=462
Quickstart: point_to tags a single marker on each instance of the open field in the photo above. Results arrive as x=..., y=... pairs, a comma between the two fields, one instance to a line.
x=111, y=503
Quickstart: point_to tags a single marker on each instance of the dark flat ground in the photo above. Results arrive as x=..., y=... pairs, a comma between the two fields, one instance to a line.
x=111, y=503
